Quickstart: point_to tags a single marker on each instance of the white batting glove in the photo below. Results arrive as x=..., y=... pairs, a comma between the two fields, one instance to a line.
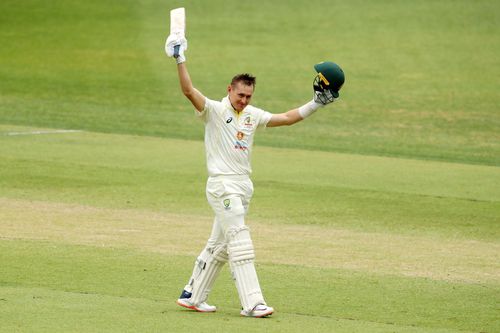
x=172, y=41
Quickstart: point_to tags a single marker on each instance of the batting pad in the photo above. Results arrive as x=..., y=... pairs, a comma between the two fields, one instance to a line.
x=205, y=272
x=241, y=260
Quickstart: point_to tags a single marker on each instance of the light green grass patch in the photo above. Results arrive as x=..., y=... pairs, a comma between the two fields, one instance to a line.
x=113, y=289
x=437, y=258
x=345, y=191
x=137, y=204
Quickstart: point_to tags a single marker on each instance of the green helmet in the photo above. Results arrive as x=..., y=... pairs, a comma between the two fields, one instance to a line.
x=330, y=79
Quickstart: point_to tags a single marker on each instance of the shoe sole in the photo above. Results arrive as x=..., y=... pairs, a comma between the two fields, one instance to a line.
x=265, y=314
x=191, y=307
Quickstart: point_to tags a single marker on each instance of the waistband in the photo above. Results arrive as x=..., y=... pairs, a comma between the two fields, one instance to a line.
x=230, y=177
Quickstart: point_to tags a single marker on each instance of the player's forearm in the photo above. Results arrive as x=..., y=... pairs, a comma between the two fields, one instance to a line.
x=185, y=80
x=285, y=119
x=293, y=116
x=196, y=97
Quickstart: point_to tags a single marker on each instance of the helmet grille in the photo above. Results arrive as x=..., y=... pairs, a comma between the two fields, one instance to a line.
x=322, y=91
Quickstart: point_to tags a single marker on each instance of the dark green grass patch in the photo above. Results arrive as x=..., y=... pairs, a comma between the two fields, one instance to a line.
x=421, y=76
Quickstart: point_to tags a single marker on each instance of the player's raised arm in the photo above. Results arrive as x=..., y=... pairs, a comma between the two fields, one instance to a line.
x=326, y=88
x=175, y=46
x=193, y=94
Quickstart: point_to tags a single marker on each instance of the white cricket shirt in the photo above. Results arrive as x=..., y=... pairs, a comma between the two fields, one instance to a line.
x=229, y=136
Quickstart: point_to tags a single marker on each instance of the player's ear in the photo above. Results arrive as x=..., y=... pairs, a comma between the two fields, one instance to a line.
x=229, y=88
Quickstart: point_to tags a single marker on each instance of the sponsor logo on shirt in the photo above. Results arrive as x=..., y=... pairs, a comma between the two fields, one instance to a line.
x=241, y=145
x=230, y=119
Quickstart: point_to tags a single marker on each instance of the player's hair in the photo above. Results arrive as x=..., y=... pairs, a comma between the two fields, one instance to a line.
x=246, y=79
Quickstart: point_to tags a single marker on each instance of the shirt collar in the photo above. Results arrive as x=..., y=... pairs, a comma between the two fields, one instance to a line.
x=227, y=102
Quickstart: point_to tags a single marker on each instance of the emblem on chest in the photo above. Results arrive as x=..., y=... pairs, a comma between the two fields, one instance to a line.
x=248, y=123
x=240, y=144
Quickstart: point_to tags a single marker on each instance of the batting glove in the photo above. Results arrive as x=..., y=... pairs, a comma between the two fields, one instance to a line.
x=173, y=41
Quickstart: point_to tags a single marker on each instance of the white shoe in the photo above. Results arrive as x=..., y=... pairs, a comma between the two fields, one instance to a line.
x=202, y=307
x=259, y=311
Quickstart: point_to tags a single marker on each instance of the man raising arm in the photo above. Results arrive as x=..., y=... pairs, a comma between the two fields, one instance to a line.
x=230, y=125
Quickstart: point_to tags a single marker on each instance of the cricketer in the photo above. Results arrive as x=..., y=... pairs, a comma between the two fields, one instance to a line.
x=230, y=126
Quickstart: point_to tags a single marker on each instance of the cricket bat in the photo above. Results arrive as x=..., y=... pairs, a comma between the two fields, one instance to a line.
x=177, y=25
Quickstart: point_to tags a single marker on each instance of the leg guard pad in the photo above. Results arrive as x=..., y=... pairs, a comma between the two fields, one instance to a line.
x=206, y=270
x=241, y=260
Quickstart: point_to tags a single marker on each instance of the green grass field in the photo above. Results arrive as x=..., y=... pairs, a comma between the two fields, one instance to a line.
x=381, y=213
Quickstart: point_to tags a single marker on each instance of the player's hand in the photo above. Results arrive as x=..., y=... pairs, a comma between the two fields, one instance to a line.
x=323, y=97
x=170, y=47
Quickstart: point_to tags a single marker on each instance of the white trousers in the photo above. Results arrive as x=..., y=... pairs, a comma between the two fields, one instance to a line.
x=229, y=197
x=230, y=239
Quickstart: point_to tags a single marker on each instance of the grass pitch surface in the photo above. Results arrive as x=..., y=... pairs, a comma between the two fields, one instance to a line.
x=99, y=232
x=377, y=214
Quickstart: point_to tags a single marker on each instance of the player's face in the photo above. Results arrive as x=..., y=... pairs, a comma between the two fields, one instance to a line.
x=240, y=95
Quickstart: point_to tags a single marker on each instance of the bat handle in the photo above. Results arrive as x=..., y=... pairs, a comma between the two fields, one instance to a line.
x=176, y=51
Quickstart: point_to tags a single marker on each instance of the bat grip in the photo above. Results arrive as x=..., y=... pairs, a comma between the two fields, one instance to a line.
x=176, y=51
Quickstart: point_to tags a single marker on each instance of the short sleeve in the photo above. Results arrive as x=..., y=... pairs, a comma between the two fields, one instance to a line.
x=207, y=110
x=264, y=119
